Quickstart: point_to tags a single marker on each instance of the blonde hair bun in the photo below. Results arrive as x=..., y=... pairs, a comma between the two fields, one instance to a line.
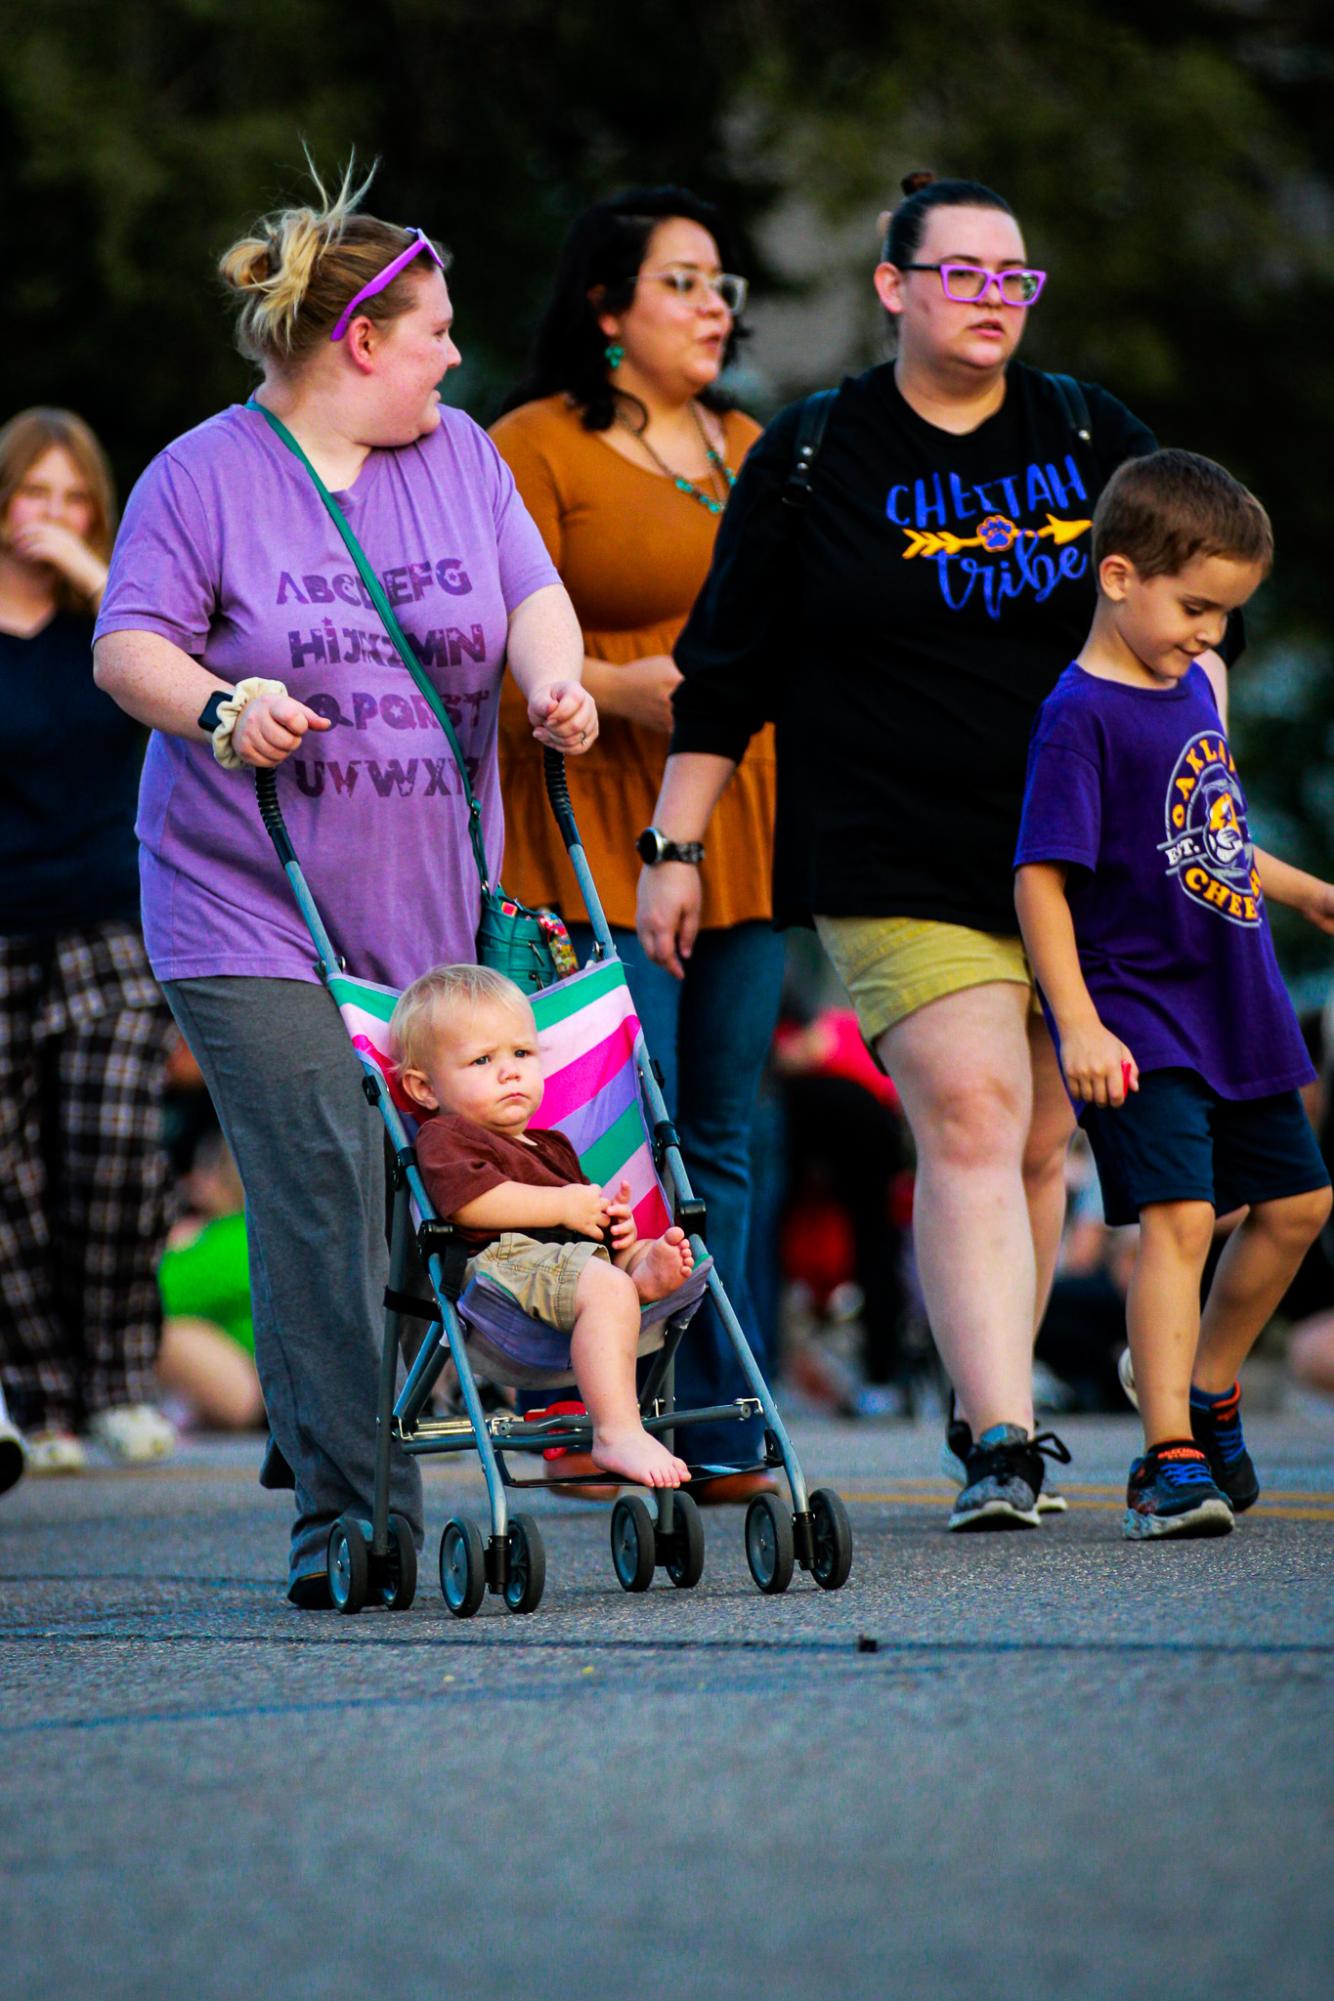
x=299, y=268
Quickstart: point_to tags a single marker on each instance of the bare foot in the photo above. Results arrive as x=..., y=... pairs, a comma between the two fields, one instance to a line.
x=638, y=1457
x=664, y=1264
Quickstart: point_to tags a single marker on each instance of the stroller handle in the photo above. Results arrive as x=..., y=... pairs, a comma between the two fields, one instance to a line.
x=271, y=813
x=558, y=792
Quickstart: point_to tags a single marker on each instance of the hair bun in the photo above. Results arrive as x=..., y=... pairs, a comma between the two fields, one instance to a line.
x=249, y=265
x=912, y=184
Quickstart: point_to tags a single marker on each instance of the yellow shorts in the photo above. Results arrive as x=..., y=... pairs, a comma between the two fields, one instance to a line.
x=541, y=1279
x=891, y=966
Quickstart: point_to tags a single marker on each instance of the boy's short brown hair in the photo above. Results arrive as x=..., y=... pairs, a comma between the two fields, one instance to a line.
x=446, y=988
x=1162, y=511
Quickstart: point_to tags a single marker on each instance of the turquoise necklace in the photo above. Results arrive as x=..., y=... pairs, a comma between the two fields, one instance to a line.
x=721, y=476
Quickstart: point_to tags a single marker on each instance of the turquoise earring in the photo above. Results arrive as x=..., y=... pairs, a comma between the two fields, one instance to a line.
x=614, y=355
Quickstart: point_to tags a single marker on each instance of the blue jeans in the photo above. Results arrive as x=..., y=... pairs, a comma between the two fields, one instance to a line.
x=710, y=1034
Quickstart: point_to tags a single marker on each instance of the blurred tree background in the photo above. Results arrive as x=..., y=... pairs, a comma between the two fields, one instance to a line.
x=1173, y=166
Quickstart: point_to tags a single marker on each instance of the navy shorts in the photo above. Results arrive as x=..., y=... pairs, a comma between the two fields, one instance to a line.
x=1176, y=1140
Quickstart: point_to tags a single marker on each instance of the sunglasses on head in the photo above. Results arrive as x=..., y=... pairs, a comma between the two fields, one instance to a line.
x=421, y=241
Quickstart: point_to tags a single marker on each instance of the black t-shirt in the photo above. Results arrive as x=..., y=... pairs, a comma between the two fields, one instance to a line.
x=69, y=781
x=902, y=631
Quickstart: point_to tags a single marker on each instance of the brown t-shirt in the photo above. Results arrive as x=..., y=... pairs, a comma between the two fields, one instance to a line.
x=461, y=1160
x=632, y=551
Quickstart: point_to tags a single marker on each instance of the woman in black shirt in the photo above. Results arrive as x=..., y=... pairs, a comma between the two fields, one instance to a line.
x=84, y=1031
x=902, y=629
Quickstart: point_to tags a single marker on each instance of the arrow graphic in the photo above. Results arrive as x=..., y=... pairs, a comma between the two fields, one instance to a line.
x=996, y=534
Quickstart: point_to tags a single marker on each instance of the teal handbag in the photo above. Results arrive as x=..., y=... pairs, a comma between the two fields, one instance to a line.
x=530, y=947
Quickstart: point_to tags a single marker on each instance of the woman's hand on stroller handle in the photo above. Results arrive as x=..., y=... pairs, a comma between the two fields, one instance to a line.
x=564, y=716
x=668, y=914
x=271, y=727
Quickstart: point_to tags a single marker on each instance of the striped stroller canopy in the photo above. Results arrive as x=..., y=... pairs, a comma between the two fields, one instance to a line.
x=587, y=1031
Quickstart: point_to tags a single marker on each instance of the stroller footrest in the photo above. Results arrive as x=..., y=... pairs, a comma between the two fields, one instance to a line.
x=518, y=1434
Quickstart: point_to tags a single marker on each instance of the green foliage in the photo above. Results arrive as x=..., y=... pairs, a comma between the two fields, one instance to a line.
x=142, y=138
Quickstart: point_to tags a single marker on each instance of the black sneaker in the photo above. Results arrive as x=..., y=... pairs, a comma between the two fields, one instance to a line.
x=311, y=1593
x=1216, y=1424
x=1171, y=1491
x=1004, y=1479
x=954, y=1463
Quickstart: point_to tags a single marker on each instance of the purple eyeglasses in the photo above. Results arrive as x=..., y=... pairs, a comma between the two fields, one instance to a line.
x=421, y=241
x=966, y=284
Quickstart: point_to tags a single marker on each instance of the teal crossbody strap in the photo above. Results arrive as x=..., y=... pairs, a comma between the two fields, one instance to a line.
x=396, y=633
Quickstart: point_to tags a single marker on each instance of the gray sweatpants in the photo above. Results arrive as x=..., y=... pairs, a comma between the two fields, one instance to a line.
x=287, y=1088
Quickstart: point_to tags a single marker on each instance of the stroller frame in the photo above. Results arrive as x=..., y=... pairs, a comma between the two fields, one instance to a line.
x=376, y=1561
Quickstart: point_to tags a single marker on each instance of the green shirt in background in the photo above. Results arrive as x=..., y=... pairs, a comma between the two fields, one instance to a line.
x=209, y=1279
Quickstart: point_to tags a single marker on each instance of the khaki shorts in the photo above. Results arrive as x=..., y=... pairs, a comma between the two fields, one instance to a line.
x=541, y=1279
x=891, y=966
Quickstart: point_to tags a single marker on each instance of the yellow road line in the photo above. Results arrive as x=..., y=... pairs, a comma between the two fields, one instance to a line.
x=1276, y=1507
x=1280, y=1504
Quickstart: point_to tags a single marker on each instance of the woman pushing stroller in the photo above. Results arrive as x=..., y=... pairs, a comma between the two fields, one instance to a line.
x=228, y=571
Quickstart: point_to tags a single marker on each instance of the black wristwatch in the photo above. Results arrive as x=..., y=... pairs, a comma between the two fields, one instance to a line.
x=208, y=715
x=653, y=847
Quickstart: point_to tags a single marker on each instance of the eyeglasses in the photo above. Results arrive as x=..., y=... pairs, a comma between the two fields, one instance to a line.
x=967, y=283
x=692, y=286
x=421, y=241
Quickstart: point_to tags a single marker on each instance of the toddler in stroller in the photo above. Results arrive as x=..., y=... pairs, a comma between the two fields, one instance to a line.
x=567, y=1252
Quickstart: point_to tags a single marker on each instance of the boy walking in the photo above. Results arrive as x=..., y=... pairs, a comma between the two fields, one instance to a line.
x=1142, y=905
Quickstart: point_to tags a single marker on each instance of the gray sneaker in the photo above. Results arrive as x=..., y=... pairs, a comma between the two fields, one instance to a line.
x=1004, y=1479
x=958, y=1443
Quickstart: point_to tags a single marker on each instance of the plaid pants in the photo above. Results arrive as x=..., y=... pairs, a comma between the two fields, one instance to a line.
x=84, y=1192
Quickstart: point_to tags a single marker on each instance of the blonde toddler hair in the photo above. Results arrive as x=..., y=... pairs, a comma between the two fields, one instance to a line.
x=298, y=270
x=452, y=989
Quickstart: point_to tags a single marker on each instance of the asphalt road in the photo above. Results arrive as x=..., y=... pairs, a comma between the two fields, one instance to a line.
x=1071, y=1766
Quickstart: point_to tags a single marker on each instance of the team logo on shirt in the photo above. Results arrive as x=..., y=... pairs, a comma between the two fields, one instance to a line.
x=1208, y=848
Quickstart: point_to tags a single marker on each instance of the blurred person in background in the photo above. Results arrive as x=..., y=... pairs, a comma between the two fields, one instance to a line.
x=1309, y=1303
x=228, y=570
x=625, y=454
x=904, y=639
x=846, y=1150
x=206, y=1363
x=84, y=1031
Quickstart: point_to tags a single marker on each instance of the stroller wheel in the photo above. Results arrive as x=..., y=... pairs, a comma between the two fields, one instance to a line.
x=634, y=1550
x=769, y=1546
x=681, y=1553
x=349, y=1563
x=398, y=1582
x=833, y=1540
x=527, y=1567
x=462, y=1566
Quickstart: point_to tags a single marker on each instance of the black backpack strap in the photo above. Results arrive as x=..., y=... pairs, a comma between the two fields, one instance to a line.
x=1073, y=404
x=811, y=428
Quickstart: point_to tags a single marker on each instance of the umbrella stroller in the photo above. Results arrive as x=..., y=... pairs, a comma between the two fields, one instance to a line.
x=603, y=1093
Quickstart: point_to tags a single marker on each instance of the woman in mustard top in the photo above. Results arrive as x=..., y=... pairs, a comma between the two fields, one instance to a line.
x=625, y=456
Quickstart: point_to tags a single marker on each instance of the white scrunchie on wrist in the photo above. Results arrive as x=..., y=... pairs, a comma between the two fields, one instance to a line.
x=231, y=711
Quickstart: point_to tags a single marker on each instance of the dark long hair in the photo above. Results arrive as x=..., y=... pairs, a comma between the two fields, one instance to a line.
x=604, y=252
x=923, y=192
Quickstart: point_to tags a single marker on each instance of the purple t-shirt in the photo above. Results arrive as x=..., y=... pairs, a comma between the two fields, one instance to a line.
x=1137, y=790
x=226, y=550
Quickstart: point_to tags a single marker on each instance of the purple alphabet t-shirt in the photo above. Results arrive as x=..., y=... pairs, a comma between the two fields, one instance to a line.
x=226, y=550
x=1137, y=790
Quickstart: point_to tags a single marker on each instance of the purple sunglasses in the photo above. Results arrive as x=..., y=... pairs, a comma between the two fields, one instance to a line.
x=421, y=241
